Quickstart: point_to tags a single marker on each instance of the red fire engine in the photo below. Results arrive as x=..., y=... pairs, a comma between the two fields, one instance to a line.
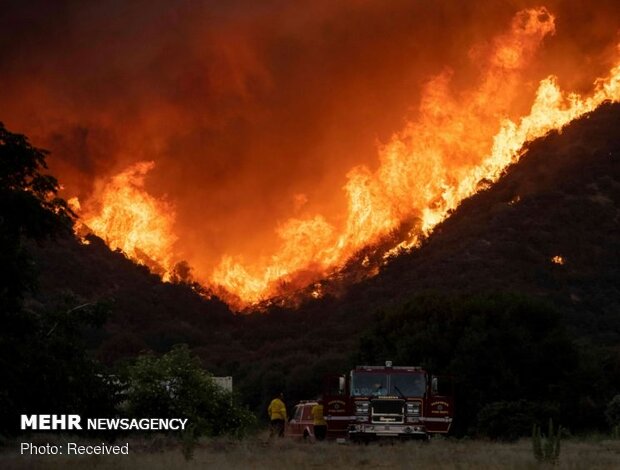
x=385, y=401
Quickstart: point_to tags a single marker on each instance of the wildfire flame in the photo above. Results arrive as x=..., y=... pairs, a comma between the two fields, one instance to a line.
x=458, y=144
x=557, y=260
x=130, y=219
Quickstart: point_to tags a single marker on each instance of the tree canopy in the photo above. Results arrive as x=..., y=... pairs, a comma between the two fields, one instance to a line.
x=29, y=207
x=42, y=350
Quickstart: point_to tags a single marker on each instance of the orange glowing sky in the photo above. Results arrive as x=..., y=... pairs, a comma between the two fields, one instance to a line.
x=265, y=120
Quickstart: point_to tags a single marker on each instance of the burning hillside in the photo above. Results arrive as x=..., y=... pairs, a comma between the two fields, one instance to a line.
x=130, y=219
x=465, y=122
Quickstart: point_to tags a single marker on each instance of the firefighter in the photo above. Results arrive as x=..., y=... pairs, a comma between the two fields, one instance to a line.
x=320, y=425
x=277, y=415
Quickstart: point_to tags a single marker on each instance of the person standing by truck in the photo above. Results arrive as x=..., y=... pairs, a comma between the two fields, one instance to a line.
x=320, y=425
x=277, y=415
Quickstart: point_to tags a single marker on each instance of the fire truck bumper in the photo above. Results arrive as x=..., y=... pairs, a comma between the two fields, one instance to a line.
x=375, y=431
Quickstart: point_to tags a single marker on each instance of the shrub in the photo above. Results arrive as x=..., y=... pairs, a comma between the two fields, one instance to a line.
x=175, y=385
x=546, y=448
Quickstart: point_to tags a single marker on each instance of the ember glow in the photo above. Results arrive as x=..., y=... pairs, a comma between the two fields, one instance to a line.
x=557, y=260
x=303, y=193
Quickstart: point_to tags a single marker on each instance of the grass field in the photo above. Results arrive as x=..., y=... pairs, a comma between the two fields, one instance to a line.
x=261, y=453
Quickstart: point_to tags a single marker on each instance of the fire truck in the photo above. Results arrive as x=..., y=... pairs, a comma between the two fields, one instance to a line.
x=372, y=402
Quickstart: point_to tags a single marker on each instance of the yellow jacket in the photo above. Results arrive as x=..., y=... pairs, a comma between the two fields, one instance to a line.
x=277, y=409
x=317, y=415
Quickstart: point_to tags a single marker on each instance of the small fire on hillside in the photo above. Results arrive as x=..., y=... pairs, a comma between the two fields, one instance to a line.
x=459, y=143
x=557, y=259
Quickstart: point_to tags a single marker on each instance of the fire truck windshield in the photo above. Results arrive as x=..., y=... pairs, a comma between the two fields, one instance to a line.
x=367, y=384
x=409, y=385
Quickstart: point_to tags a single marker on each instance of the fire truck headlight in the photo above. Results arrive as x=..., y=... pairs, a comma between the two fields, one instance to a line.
x=361, y=407
x=413, y=409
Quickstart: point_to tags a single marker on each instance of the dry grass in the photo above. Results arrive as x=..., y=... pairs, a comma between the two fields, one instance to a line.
x=261, y=453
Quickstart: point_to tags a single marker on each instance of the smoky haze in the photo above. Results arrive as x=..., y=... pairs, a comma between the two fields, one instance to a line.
x=253, y=112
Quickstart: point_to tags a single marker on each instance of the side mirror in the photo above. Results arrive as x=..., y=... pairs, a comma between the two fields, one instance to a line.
x=341, y=384
x=434, y=385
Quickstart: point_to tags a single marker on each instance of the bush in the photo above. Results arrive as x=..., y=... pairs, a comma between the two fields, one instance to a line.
x=175, y=386
x=546, y=448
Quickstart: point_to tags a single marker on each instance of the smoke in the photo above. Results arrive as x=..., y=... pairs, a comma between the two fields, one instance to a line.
x=254, y=112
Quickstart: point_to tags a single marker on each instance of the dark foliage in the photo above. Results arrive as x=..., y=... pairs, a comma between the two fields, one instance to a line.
x=28, y=208
x=42, y=359
x=499, y=348
x=175, y=385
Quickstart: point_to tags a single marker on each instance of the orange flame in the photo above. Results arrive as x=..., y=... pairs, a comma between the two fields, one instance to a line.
x=456, y=145
x=557, y=259
x=434, y=162
x=133, y=221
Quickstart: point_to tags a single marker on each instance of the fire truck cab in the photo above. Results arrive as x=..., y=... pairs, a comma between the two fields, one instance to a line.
x=372, y=402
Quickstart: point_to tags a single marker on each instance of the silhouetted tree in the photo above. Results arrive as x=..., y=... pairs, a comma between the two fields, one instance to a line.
x=29, y=208
x=42, y=355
